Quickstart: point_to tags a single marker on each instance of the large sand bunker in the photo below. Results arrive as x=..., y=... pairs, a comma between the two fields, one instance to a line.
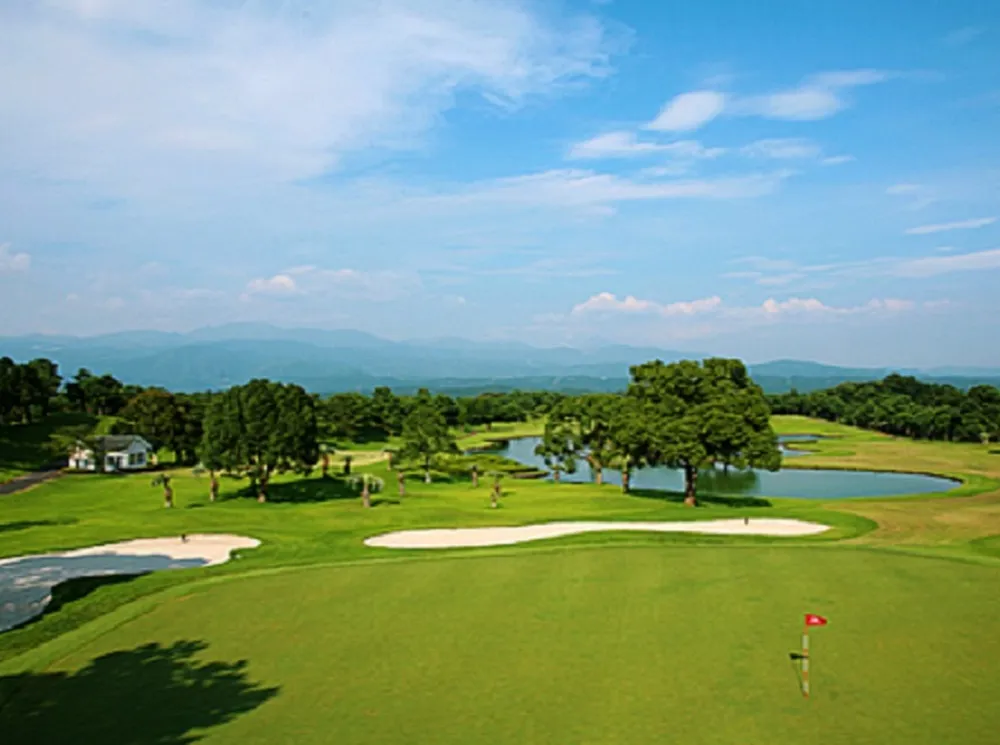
x=26, y=582
x=468, y=537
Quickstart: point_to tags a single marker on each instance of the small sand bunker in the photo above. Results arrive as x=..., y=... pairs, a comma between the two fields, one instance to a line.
x=26, y=582
x=469, y=537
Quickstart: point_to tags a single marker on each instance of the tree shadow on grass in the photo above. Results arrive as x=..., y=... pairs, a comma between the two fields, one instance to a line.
x=155, y=694
x=312, y=490
x=26, y=524
x=722, y=500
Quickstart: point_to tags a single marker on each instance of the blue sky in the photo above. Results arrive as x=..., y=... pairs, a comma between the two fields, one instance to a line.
x=768, y=179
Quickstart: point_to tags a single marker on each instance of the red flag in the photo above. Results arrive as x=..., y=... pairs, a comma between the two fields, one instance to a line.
x=813, y=620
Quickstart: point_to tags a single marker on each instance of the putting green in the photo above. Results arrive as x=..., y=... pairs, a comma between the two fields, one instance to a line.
x=612, y=645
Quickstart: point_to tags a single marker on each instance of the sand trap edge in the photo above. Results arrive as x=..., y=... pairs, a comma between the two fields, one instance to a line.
x=506, y=536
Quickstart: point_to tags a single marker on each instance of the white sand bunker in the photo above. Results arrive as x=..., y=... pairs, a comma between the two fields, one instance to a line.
x=468, y=537
x=26, y=582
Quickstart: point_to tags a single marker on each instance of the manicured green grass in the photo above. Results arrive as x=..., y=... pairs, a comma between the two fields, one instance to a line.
x=602, y=638
x=639, y=645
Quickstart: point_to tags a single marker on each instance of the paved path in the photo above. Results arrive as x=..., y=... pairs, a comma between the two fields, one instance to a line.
x=28, y=480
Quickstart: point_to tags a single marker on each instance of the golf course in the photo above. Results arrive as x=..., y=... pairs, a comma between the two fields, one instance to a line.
x=598, y=637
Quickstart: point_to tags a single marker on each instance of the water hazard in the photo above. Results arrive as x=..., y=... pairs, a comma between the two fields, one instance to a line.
x=806, y=484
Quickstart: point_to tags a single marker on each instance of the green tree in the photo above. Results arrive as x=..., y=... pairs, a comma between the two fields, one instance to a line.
x=154, y=415
x=560, y=447
x=48, y=381
x=425, y=435
x=260, y=429
x=386, y=411
x=699, y=414
x=627, y=438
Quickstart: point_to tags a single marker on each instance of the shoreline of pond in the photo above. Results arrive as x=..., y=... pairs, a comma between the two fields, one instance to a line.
x=945, y=482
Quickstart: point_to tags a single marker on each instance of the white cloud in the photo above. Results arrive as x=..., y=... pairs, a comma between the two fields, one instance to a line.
x=13, y=262
x=253, y=90
x=836, y=160
x=689, y=111
x=279, y=284
x=817, y=97
x=626, y=145
x=930, y=266
x=958, y=225
x=796, y=305
x=782, y=149
x=593, y=190
x=607, y=302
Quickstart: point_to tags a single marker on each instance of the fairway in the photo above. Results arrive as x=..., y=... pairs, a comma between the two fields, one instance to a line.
x=613, y=645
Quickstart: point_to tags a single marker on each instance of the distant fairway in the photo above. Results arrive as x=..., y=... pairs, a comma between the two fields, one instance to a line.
x=660, y=644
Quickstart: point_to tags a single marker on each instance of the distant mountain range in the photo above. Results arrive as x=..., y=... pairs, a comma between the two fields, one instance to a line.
x=327, y=361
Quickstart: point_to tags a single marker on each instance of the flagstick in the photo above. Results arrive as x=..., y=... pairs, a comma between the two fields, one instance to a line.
x=805, y=661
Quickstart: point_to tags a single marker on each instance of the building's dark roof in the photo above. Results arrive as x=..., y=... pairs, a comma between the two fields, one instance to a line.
x=111, y=443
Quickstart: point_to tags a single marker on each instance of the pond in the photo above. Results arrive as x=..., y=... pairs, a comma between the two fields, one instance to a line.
x=806, y=484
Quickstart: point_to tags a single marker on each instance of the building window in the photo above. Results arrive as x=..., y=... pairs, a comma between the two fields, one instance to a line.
x=140, y=459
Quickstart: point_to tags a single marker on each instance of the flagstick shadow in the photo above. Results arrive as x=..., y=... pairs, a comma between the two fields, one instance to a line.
x=795, y=659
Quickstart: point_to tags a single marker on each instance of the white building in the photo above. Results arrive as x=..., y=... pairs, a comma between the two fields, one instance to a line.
x=121, y=453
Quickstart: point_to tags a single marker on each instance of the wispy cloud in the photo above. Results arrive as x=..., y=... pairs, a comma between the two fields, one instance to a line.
x=817, y=97
x=689, y=111
x=274, y=91
x=606, y=302
x=837, y=160
x=769, y=272
x=624, y=144
x=782, y=149
x=590, y=189
x=13, y=262
x=980, y=222
x=930, y=266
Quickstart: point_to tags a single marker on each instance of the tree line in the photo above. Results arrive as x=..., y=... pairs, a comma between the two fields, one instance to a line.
x=902, y=405
x=685, y=415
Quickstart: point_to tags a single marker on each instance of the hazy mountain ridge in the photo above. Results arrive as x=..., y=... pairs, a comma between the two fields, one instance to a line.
x=332, y=360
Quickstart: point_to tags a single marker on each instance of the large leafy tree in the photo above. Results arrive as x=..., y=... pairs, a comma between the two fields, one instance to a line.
x=260, y=429
x=697, y=414
x=426, y=434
